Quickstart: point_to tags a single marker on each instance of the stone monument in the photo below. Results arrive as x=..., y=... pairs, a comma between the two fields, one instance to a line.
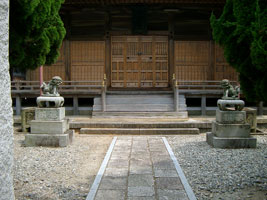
x=50, y=128
x=230, y=129
x=6, y=113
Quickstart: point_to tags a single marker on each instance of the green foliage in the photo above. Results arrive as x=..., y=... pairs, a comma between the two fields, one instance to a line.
x=242, y=31
x=36, y=33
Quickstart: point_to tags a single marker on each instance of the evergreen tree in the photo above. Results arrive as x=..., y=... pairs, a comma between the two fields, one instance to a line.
x=242, y=31
x=36, y=33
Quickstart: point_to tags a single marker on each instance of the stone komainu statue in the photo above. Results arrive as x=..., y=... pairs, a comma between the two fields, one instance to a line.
x=51, y=89
x=50, y=97
x=229, y=92
x=230, y=97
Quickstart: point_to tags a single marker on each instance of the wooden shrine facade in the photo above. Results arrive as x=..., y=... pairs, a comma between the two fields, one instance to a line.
x=139, y=43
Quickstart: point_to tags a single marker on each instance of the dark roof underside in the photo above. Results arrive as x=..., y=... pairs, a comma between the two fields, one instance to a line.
x=116, y=2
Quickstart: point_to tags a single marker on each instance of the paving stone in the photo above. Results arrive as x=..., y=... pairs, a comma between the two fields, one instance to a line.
x=120, y=153
x=124, y=142
x=165, y=173
x=141, y=198
x=160, y=158
x=118, y=163
x=140, y=156
x=140, y=161
x=141, y=169
x=141, y=191
x=115, y=183
x=122, y=148
x=172, y=195
x=159, y=153
x=140, y=150
x=117, y=172
x=120, y=157
x=165, y=164
x=140, y=180
x=140, y=153
x=171, y=183
x=110, y=195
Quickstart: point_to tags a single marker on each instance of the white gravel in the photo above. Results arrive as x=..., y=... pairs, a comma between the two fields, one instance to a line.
x=45, y=173
x=67, y=173
x=222, y=173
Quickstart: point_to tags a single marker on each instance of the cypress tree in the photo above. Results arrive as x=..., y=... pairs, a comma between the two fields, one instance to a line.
x=36, y=33
x=242, y=31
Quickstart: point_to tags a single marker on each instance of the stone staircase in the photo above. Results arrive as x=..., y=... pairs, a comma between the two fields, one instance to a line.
x=137, y=126
x=140, y=104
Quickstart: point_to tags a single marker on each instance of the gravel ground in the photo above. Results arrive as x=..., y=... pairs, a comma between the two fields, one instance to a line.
x=67, y=173
x=57, y=173
x=222, y=173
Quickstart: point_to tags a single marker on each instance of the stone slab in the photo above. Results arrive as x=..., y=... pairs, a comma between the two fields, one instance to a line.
x=50, y=114
x=27, y=115
x=136, y=180
x=55, y=140
x=113, y=183
x=49, y=127
x=110, y=195
x=141, y=131
x=251, y=118
x=231, y=130
x=141, y=191
x=230, y=117
x=231, y=143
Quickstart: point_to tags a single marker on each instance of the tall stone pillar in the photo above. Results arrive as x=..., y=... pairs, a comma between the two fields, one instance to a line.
x=6, y=118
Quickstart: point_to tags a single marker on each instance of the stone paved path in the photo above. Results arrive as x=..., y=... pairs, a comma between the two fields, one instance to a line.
x=140, y=168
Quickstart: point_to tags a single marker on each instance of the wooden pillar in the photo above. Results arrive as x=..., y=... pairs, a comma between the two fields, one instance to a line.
x=171, y=45
x=18, y=105
x=108, y=48
x=75, y=105
x=67, y=46
x=211, y=70
x=260, y=108
x=203, y=105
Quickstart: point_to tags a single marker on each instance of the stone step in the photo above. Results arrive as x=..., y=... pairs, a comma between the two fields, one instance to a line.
x=136, y=107
x=118, y=124
x=140, y=131
x=179, y=114
x=136, y=92
x=131, y=100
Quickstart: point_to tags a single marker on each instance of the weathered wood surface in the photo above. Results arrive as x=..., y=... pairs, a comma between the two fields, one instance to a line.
x=139, y=61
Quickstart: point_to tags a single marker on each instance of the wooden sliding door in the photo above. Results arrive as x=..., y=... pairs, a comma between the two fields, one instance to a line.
x=139, y=61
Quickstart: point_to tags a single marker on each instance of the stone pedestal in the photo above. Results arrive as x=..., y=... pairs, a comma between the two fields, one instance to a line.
x=49, y=128
x=230, y=130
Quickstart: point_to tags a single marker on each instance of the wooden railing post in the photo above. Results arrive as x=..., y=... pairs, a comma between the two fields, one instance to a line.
x=175, y=93
x=103, y=93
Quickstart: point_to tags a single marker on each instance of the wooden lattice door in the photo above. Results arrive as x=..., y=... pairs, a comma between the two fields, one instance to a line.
x=139, y=61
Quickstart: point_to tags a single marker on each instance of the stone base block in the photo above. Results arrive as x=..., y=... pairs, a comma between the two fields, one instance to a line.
x=230, y=143
x=251, y=118
x=231, y=130
x=50, y=114
x=50, y=127
x=230, y=117
x=55, y=140
x=27, y=115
